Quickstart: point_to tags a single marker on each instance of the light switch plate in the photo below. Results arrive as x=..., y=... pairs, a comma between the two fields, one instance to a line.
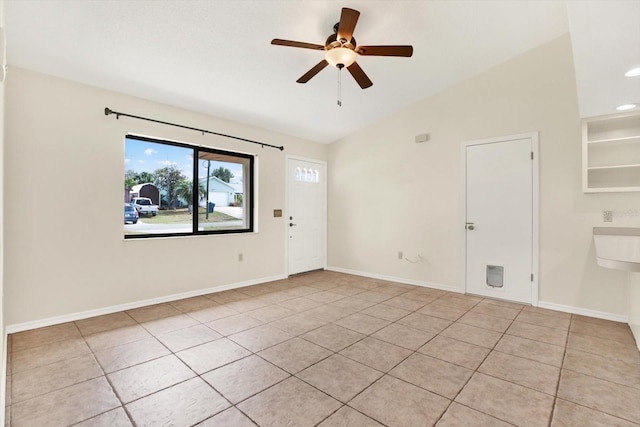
x=277, y=213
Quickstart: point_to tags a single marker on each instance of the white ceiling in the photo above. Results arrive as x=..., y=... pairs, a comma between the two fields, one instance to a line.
x=215, y=56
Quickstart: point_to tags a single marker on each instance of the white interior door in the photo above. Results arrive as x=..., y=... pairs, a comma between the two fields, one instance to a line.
x=500, y=219
x=306, y=215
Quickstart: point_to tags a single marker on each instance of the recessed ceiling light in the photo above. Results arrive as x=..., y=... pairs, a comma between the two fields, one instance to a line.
x=626, y=107
x=634, y=72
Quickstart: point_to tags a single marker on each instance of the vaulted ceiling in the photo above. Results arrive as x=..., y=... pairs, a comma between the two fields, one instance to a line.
x=215, y=56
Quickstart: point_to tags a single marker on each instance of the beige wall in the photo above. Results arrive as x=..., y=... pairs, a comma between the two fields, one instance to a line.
x=389, y=194
x=64, y=179
x=2, y=247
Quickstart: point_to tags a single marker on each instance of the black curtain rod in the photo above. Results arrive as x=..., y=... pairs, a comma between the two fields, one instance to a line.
x=108, y=111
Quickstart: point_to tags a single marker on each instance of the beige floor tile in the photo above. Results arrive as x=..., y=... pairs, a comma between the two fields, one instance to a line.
x=396, y=403
x=346, y=416
x=503, y=303
x=507, y=401
x=289, y=403
x=485, y=321
x=300, y=304
x=234, y=324
x=260, y=337
x=183, y=404
x=595, y=320
x=406, y=303
x=530, y=349
x=115, y=358
x=104, y=323
x=35, y=382
x=115, y=337
x=35, y=357
x=362, y=323
x=377, y=354
x=328, y=312
x=169, y=324
x=604, y=347
x=298, y=324
x=44, y=336
x=226, y=297
x=615, y=333
x=547, y=312
x=114, y=418
x=193, y=304
x=615, y=370
x=228, y=418
x=352, y=304
x=437, y=376
x=347, y=290
x=339, y=377
x=244, y=378
x=404, y=336
x=214, y=313
x=66, y=406
x=568, y=414
x=270, y=313
x=333, y=337
x=153, y=312
x=538, y=333
x=425, y=323
x=149, y=377
x=188, y=337
x=212, y=355
x=459, y=415
x=295, y=355
x=374, y=296
x=325, y=296
x=496, y=310
x=466, y=302
x=472, y=335
x=255, y=290
x=386, y=312
x=525, y=372
x=600, y=395
x=442, y=311
x=454, y=351
x=550, y=321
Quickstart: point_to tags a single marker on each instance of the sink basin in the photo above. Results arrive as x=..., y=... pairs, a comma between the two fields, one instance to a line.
x=618, y=247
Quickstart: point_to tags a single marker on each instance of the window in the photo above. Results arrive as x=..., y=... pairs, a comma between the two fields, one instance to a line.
x=159, y=183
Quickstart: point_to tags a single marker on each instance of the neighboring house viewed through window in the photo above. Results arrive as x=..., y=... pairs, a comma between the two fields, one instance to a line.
x=159, y=183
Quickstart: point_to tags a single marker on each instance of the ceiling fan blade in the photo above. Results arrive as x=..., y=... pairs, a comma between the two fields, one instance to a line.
x=386, y=50
x=312, y=72
x=291, y=43
x=359, y=75
x=348, y=21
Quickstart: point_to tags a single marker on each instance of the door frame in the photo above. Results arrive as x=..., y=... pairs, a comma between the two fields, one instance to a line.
x=286, y=215
x=535, y=226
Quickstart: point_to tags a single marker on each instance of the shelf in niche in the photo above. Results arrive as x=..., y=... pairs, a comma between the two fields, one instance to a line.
x=593, y=168
x=626, y=138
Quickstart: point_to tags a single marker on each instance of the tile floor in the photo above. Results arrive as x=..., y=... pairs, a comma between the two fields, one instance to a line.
x=326, y=349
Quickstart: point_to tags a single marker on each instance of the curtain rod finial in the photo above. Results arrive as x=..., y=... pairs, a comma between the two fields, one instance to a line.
x=107, y=111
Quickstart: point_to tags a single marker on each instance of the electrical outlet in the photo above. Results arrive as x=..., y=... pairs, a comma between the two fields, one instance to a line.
x=400, y=256
x=607, y=216
x=240, y=257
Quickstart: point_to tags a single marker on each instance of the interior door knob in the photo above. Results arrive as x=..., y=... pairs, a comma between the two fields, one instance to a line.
x=470, y=226
x=292, y=224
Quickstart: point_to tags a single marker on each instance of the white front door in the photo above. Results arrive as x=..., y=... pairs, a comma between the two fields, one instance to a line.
x=500, y=182
x=306, y=217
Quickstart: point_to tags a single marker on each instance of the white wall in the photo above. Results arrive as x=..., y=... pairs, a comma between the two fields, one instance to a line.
x=389, y=194
x=64, y=175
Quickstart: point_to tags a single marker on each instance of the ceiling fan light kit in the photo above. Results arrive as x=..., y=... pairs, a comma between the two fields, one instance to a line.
x=341, y=50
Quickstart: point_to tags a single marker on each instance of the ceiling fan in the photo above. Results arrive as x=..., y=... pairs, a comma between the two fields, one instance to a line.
x=341, y=49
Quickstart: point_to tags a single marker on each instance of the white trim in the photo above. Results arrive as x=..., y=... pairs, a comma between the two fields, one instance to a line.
x=535, y=226
x=635, y=330
x=584, y=311
x=287, y=193
x=19, y=327
x=397, y=279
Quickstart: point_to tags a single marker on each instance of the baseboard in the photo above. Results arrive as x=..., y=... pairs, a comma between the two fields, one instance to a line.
x=584, y=311
x=19, y=327
x=396, y=279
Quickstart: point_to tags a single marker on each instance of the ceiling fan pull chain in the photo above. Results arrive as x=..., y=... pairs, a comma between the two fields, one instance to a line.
x=339, y=86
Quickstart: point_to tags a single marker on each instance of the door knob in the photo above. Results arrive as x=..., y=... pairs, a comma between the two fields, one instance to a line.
x=470, y=226
x=292, y=224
